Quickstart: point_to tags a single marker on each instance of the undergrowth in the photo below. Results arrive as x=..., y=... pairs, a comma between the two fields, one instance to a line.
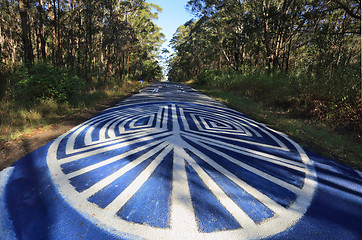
x=18, y=118
x=332, y=98
x=314, y=134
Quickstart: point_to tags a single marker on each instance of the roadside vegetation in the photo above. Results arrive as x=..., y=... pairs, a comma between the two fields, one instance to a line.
x=21, y=114
x=317, y=135
x=58, y=58
x=294, y=65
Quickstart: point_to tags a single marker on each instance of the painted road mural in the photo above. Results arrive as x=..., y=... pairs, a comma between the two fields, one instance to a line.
x=171, y=163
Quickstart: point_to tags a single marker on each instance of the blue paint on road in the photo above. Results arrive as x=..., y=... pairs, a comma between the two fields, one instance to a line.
x=37, y=211
x=279, y=194
x=210, y=214
x=78, y=186
x=156, y=192
x=336, y=209
x=109, y=193
x=251, y=206
x=288, y=175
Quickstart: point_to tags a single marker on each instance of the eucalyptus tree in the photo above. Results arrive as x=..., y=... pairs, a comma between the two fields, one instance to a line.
x=97, y=38
x=277, y=35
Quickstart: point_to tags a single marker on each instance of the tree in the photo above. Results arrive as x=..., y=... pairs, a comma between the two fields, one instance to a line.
x=276, y=35
x=26, y=34
x=104, y=40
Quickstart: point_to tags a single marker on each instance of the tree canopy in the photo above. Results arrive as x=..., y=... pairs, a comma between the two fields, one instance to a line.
x=98, y=38
x=268, y=35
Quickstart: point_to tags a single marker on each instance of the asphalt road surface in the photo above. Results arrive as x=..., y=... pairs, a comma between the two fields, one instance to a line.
x=171, y=163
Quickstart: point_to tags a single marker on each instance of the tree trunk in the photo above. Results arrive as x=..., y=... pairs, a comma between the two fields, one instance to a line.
x=58, y=39
x=41, y=30
x=28, y=49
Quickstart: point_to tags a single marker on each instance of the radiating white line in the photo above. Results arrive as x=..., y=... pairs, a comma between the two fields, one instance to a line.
x=141, y=137
x=110, y=160
x=183, y=220
x=253, y=153
x=268, y=202
x=111, y=178
x=236, y=140
x=121, y=199
x=262, y=174
x=240, y=216
x=130, y=135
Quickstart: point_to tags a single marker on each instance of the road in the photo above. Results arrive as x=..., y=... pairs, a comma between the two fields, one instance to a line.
x=171, y=163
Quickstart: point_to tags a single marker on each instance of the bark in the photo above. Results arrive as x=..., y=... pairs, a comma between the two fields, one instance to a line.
x=41, y=30
x=25, y=29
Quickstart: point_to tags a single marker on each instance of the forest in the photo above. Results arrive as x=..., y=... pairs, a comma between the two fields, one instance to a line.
x=302, y=56
x=300, y=59
x=52, y=49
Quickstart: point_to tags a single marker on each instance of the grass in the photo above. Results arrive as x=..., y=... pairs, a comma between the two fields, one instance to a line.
x=315, y=135
x=19, y=120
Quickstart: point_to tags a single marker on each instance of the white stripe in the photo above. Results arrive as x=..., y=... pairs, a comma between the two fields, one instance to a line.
x=6, y=226
x=228, y=116
x=183, y=220
x=110, y=160
x=102, y=132
x=268, y=202
x=240, y=216
x=71, y=141
x=201, y=131
x=159, y=115
x=227, y=130
x=121, y=199
x=253, y=153
x=183, y=118
x=175, y=124
x=111, y=178
x=165, y=118
x=262, y=174
x=122, y=143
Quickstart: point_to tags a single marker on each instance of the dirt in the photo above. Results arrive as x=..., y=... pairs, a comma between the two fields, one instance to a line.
x=11, y=151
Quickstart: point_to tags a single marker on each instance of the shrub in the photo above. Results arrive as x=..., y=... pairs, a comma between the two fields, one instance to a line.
x=333, y=97
x=43, y=81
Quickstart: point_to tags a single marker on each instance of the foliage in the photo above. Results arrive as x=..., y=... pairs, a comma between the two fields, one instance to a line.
x=317, y=136
x=269, y=35
x=99, y=39
x=336, y=99
x=18, y=119
x=43, y=81
x=303, y=56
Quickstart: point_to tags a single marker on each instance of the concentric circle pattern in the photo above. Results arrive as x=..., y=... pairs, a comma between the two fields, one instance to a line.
x=169, y=170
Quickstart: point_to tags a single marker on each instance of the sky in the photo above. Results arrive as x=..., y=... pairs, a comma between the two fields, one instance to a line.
x=173, y=15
